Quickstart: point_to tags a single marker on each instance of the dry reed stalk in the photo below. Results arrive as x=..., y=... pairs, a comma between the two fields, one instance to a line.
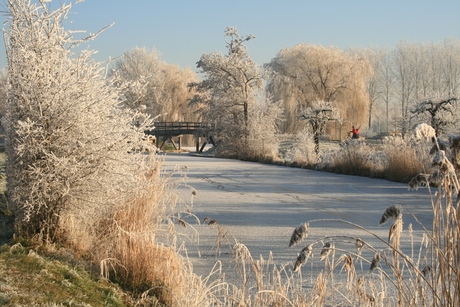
x=349, y=267
x=402, y=161
x=319, y=293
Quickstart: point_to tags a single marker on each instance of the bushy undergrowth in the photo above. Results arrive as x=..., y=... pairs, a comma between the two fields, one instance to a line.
x=405, y=158
x=394, y=158
x=257, y=141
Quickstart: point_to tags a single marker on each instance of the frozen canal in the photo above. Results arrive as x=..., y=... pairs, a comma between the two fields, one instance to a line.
x=260, y=205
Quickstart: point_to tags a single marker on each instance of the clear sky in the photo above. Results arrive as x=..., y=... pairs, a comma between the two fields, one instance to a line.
x=183, y=30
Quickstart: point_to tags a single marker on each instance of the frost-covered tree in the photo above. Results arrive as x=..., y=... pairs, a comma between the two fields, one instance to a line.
x=406, y=75
x=153, y=86
x=317, y=116
x=375, y=58
x=68, y=142
x=440, y=112
x=229, y=90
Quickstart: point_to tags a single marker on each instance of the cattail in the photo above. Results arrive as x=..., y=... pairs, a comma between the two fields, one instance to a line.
x=436, y=177
x=359, y=245
x=303, y=257
x=419, y=180
x=439, y=159
x=326, y=250
x=391, y=213
x=300, y=232
x=375, y=261
x=347, y=263
x=426, y=270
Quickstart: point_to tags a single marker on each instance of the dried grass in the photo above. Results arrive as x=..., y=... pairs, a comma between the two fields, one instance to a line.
x=135, y=245
x=405, y=158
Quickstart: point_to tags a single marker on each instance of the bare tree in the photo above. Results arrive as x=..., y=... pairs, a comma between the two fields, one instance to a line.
x=382, y=82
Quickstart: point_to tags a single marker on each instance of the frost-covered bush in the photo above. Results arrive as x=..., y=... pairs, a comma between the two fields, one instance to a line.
x=302, y=151
x=424, y=131
x=69, y=144
x=263, y=141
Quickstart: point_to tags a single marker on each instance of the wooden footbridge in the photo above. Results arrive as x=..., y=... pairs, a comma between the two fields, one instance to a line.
x=168, y=130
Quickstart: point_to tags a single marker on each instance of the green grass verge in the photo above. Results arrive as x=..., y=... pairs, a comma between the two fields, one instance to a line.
x=28, y=278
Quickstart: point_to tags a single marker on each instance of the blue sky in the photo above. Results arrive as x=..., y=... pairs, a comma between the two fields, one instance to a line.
x=183, y=30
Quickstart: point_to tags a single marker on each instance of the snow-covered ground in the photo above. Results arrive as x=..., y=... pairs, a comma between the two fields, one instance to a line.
x=260, y=205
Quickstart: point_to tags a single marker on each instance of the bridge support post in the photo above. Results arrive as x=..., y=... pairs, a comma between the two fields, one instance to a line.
x=202, y=146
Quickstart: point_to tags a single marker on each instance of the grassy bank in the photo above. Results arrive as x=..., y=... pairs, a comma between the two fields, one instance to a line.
x=44, y=278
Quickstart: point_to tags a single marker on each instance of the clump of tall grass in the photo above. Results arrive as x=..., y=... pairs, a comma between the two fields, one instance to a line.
x=356, y=158
x=405, y=157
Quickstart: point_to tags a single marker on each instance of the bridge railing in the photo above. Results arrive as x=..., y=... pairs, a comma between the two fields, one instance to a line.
x=181, y=125
x=176, y=128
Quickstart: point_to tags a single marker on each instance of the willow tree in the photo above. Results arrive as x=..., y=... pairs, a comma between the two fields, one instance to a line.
x=309, y=73
x=229, y=91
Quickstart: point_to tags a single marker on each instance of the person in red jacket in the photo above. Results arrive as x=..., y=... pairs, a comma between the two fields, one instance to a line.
x=355, y=132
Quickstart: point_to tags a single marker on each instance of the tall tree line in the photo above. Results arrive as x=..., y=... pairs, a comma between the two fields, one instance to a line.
x=376, y=89
x=408, y=75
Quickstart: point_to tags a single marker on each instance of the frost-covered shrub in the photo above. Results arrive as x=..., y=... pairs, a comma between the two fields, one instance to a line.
x=424, y=131
x=263, y=141
x=302, y=151
x=69, y=144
